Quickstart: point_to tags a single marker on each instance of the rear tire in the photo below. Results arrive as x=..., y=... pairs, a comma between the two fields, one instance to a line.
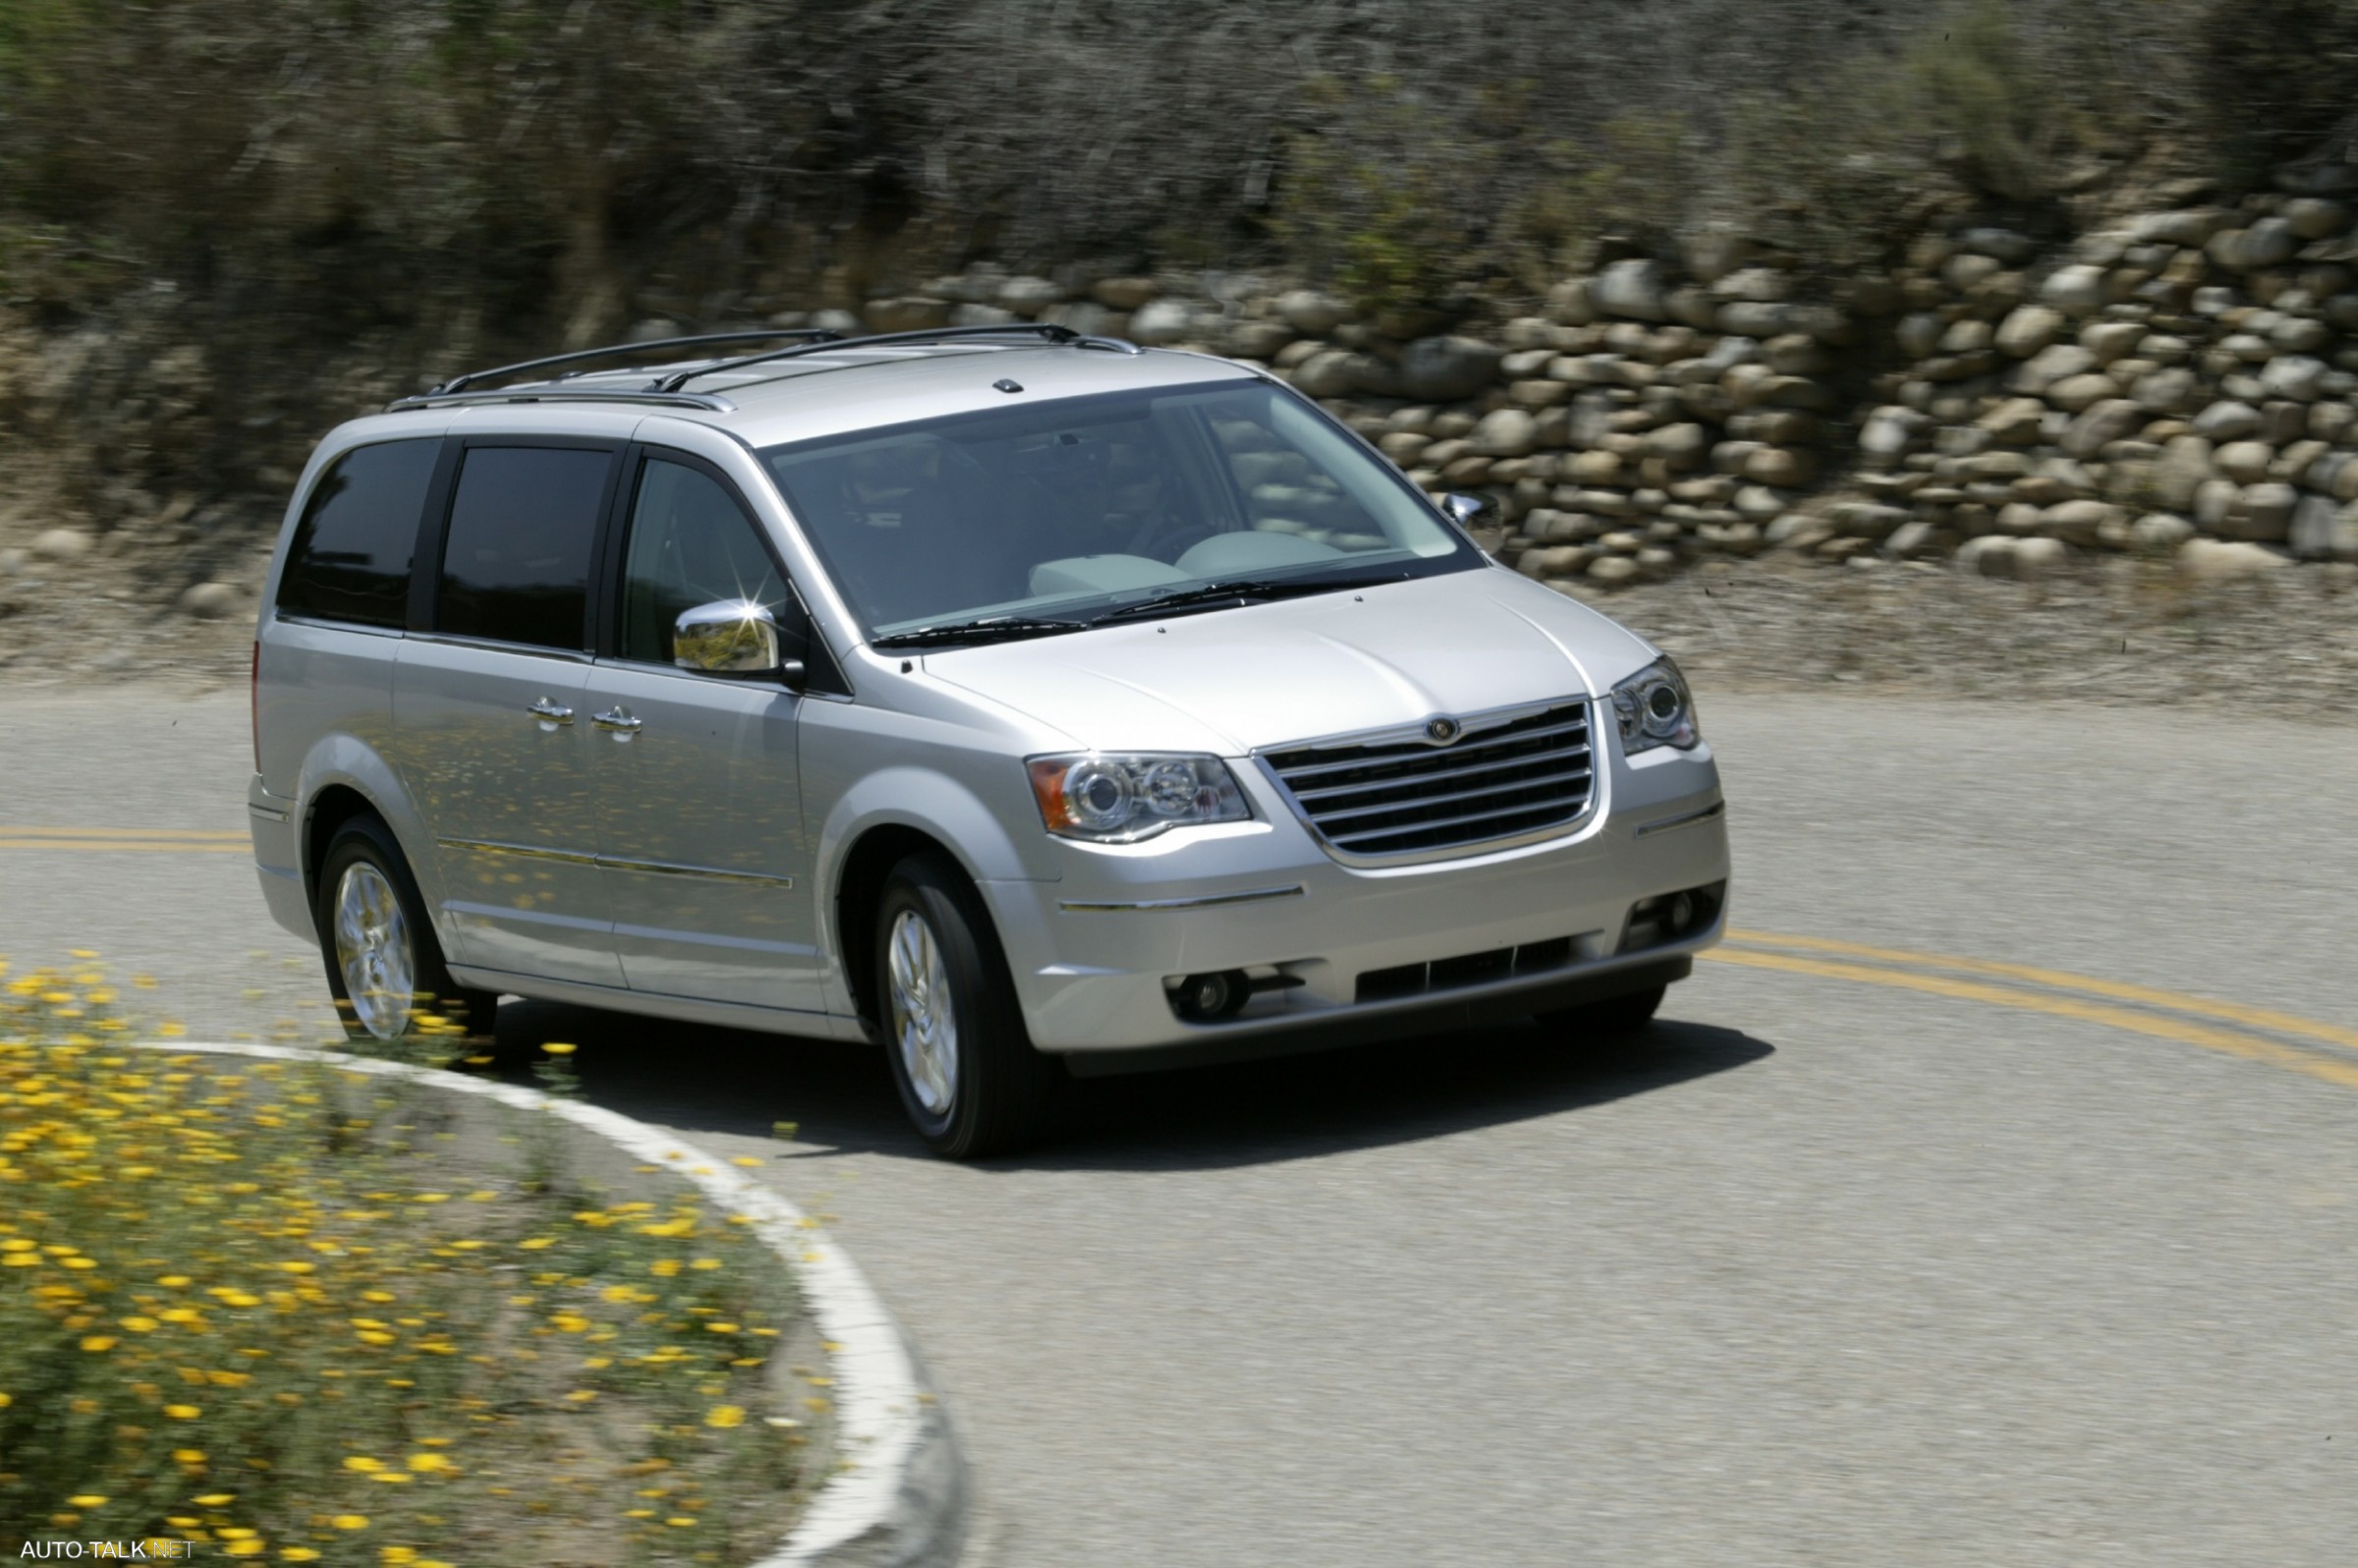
x=384, y=966
x=1604, y=1026
x=966, y=1069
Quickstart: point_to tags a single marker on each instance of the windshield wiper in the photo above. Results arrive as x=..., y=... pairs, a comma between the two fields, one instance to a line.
x=989, y=629
x=1237, y=590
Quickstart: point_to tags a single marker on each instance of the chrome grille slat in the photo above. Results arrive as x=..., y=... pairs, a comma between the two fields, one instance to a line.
x=1417, y=751
x=1390, y=797
x=1350, y=840
x=1405, y=779
x=1482, y=793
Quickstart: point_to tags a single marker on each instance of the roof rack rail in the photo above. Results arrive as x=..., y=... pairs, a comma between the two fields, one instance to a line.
x=528, y=393
x=1053, y=333
x=460, y=383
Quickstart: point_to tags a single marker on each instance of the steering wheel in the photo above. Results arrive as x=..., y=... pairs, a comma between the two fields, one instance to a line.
x=1165, y=536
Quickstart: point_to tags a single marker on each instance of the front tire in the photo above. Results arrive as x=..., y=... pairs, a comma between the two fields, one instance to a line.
x=384, y=966
x=966, y=1069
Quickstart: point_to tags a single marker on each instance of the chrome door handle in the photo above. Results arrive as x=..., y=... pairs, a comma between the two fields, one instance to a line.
x=549, y=713
x=616, y=718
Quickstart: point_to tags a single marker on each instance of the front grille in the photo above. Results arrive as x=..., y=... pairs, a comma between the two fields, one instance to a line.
x=1397, y=796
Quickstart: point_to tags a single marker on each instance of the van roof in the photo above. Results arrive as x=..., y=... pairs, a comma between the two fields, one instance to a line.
x=823, y=387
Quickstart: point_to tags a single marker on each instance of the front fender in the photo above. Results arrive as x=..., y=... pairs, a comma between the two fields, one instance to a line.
x=943, y=808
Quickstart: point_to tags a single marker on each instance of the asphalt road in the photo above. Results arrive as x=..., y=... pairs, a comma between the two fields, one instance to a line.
x=1858, y=1259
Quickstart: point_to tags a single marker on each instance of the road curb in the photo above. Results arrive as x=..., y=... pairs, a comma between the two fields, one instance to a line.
x=899, y=1496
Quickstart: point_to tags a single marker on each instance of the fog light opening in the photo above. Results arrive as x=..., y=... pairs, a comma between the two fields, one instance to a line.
x=1671, y=916
x=1211, y=996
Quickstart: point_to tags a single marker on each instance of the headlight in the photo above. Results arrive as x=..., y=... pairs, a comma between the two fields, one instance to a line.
x=1654, y=709
x=1120, y=800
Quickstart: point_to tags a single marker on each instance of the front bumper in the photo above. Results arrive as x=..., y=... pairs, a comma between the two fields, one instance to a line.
x=1095, y=953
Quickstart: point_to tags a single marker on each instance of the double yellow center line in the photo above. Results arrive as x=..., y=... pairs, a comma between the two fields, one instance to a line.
x=141, y=840
x=2278, y=1039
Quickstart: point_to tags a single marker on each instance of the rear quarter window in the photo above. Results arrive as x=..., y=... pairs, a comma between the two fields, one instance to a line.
x=351, y=556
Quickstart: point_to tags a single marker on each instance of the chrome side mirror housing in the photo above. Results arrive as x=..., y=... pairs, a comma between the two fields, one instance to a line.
x=1470, y=512
x=731, y=637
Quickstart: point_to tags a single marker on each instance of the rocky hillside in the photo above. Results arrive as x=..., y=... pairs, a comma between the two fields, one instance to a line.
x=2002, y=287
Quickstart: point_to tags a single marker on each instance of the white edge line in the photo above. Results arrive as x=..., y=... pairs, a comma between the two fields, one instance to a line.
x=880, y=1398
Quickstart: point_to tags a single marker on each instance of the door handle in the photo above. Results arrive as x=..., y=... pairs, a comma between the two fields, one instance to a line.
x=617, y=718
x=549, y=713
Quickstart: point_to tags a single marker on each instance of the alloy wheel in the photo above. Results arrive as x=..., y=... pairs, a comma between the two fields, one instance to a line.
x=925, y=1020
x=373, y=951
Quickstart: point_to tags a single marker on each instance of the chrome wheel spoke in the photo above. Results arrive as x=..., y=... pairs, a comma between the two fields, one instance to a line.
x=925, y=1023
x=373, y=951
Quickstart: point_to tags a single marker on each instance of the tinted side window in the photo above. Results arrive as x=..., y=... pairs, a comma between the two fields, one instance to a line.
x=689, y=544
x=516, y=560
x=351, y=556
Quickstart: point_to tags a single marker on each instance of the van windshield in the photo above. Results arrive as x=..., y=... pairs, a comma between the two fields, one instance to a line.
x=1044, y=517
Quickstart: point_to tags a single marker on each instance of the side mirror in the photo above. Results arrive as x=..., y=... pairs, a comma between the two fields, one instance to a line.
x=1470, y=512
x=732, y=637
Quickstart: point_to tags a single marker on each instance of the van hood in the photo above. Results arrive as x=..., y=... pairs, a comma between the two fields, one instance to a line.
x=1235, y=681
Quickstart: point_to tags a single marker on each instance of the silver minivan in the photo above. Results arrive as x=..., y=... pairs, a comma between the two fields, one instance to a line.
x=1022, y=701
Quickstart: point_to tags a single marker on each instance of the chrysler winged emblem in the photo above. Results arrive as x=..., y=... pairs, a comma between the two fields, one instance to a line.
x=1442, y=731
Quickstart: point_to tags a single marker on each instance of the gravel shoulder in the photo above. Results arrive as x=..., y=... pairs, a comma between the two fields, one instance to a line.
x=2121, y=632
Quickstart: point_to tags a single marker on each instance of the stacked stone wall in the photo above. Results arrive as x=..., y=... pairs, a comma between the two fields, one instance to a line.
x=2184, y=383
